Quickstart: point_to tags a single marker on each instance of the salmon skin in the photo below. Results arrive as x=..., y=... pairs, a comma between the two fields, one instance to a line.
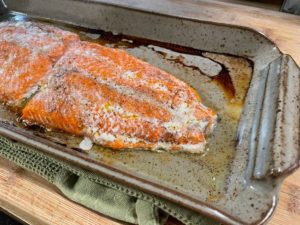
x=103, y=94
x=27, y=52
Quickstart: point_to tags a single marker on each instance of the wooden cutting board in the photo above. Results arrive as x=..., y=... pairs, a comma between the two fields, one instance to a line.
x=35, y=201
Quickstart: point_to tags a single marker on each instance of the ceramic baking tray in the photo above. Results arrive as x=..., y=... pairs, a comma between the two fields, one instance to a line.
x=238, y=72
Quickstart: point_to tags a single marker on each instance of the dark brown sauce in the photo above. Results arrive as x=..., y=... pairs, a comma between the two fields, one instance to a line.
x=178, y=60
x=120, y=40
x=224, y=80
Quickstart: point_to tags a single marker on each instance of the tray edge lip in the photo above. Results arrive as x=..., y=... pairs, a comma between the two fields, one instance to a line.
x=166, y=14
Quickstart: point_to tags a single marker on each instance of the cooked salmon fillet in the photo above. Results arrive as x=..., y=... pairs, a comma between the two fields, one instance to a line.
x=119, y=101
x=27, y=52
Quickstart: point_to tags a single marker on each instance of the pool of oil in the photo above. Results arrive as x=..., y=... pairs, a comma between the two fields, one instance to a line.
x=222, y=82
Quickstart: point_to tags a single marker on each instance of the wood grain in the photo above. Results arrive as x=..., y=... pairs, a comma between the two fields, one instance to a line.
x=37, y=202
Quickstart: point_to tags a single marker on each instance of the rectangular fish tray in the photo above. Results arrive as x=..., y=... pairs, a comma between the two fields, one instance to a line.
x=237, y=71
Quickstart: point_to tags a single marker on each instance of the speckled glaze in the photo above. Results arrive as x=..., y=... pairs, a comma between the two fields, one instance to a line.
x=256, y=141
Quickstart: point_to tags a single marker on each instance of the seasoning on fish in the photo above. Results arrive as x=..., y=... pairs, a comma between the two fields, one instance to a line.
x=119, y=101
x=27, y=52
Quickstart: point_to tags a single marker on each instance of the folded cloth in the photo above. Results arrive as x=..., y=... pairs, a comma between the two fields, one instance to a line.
x=97, y=192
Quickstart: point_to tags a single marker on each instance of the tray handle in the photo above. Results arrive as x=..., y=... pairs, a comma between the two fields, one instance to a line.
x=278, y=139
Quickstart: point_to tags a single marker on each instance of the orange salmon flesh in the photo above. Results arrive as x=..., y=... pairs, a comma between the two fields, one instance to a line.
x=101, y=93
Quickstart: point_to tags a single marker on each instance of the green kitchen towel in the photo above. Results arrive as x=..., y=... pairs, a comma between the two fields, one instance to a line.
x=96, y=192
